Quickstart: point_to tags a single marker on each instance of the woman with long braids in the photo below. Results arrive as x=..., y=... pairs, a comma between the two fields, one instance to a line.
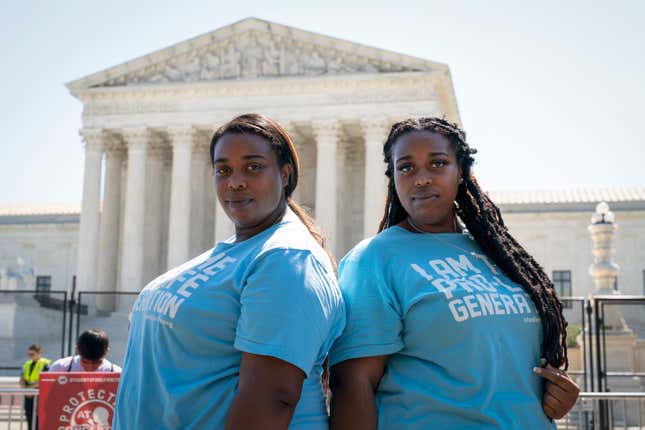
x=448, y=327
x=238, y=337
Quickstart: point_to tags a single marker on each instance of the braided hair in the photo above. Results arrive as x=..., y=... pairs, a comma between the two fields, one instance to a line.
x=484, y=222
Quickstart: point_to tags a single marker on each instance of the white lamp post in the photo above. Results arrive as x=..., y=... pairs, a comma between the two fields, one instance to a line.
x=603, y=271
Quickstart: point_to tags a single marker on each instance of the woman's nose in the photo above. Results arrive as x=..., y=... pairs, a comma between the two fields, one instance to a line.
x=422, y=180
x=236, y=182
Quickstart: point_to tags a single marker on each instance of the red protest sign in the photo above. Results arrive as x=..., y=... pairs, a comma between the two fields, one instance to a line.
x=76, y=400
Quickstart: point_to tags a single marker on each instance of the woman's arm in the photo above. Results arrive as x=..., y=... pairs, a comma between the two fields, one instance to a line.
x=267, y=394
x=560, y=392
x=353, y=383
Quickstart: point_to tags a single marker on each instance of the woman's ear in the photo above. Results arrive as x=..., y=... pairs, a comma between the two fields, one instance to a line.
x=286, y=172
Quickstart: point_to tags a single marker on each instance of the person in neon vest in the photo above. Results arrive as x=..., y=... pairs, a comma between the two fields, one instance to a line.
x=30, y=376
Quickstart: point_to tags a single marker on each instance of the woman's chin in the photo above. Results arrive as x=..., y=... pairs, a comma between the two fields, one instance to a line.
x=240, y=214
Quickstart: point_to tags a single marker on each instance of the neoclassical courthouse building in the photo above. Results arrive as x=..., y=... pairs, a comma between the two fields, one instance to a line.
x=148, y=198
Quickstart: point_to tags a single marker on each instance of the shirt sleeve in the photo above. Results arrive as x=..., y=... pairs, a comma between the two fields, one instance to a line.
x=374, y=321
x=285, y=308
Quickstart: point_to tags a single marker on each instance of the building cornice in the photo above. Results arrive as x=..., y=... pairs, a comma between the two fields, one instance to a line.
x=39, y=219
x=587, y=207
x=267, y=86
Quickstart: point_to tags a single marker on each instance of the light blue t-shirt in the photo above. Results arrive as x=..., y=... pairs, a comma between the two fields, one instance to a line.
x=273, y=294
x=462, y=338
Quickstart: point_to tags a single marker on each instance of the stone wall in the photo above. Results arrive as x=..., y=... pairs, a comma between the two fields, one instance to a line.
x=49, y=248
x=561, y=241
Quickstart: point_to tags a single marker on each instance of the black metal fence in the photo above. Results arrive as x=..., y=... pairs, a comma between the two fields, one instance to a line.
x=618, y=323
x=31, y=317
x=575, y=309
x=54, y=319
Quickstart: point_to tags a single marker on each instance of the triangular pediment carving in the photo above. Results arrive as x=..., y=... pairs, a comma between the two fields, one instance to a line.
x=250, y=49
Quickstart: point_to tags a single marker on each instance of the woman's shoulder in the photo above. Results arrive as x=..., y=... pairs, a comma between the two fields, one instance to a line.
x=293, y=258
x=376, y=248
x=291, y=237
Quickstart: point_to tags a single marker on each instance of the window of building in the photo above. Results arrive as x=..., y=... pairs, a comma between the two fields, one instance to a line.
x=562, y=284
x=43, y=284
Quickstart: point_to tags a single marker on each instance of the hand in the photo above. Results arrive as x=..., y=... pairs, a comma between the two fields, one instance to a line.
x=560, y=392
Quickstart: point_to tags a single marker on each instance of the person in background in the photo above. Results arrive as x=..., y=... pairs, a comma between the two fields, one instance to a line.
x=91, y=348
x=30, y=376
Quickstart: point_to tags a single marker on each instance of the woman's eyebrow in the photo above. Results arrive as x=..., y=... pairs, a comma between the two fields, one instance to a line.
x=246, y=157
x=432, y=154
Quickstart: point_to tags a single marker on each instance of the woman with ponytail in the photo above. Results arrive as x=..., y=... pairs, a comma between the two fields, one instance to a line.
x=238, y=337
x=451, y=324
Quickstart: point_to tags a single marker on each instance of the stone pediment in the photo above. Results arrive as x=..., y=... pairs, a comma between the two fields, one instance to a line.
x=250, y=49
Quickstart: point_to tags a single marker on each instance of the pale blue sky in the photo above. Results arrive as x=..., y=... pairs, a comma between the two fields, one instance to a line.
x=551, y=93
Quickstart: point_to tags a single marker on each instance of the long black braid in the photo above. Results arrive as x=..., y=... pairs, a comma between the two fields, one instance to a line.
x=484, y=221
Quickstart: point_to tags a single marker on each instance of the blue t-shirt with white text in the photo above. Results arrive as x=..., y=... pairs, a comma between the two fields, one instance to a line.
x=273, y=294
x=462, y=338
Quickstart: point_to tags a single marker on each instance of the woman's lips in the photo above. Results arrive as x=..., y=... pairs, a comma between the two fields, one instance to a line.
x=237, y=203
x=427, y=197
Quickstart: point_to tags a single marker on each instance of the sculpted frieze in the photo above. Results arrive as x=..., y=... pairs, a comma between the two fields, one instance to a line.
x=252, y=55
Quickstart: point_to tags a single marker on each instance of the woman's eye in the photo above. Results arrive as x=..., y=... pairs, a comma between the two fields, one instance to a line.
x=404, y=168
x=254, y=167
x=221, y=171
x=439, y=163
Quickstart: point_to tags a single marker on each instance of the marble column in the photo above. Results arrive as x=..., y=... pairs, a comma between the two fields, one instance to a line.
x=109, y=239
x=199, y=199
x=179, y=223
x=375, y=190
x=90, y=211
x=166, y=183
x=154, y=222
x=136, y=140
x=326, y=135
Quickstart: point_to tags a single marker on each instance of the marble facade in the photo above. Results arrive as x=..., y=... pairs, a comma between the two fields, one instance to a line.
x=147, y=125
